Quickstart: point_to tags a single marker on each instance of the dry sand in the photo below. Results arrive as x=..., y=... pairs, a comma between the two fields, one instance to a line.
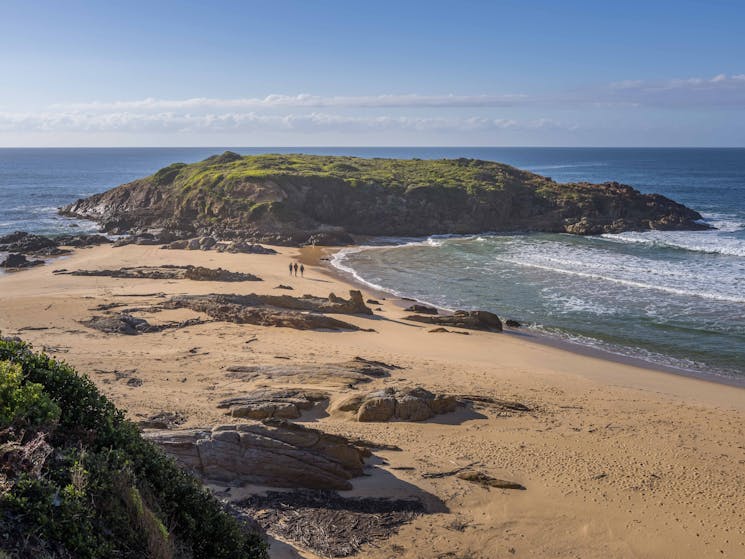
x=618, y=461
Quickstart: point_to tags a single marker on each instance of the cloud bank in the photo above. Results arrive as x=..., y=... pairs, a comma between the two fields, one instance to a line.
x=385, y=118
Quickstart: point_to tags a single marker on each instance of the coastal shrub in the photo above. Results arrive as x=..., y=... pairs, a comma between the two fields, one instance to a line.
x=23, y=404
x=99, y=489
x=167, y=174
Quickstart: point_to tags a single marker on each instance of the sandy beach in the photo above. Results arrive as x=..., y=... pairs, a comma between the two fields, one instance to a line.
x=618, y=460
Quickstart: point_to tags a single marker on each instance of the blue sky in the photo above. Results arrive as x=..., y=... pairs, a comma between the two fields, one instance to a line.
x=281, y=73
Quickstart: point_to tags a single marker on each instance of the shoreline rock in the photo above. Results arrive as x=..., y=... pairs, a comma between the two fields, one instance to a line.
x=470, y=320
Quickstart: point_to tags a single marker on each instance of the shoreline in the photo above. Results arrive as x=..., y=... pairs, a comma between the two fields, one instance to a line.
x=526, y=333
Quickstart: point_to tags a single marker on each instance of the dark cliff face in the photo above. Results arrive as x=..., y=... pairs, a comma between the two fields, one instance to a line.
x=294, y=199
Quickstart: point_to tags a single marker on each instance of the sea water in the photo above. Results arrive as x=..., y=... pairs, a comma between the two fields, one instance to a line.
x=671, y=298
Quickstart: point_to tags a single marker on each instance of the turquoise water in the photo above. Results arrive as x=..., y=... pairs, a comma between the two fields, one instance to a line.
x=675, y=298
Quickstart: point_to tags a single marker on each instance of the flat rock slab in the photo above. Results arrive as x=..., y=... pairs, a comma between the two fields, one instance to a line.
x=169, y=272
x=131, y=325
x=273, y=452
x=413, y=404
x=346, y=374
x=265, y=403
x=328, y=524
x=302, y=313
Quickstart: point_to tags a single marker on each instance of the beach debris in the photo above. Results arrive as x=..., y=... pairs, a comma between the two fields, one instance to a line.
x=448, y=473
x=470, y=320
x=421, y=309
x=170, y=272
x=283, y=286
x=273, y=452
x=287, y=403
x=328, y=524
x=505, y=407
x=412, y=404
x=441, y=330
x=131, y=325
x=487, y=481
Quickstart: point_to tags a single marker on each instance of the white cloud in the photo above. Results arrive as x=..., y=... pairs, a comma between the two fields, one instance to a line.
x=719, y=91
x=301, y=100
x=77, y=121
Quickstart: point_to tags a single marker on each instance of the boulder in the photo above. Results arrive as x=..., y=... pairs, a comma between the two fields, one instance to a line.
x=471, y=320
x=378, y=406
x=414, y=404
x=273, y=452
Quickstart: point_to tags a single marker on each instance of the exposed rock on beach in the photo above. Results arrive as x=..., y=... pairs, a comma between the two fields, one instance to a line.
x=273, y=452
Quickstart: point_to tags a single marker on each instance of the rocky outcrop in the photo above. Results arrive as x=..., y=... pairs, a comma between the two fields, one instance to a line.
x=273, y=452
x=210, y=243
x=303, y=199
x=412, y=404
x=25, y=242
x=266, y=403
x=19, y=261
x=276, y=310
x=471, y=320
x=28, y=243
x=131, y=325
x=169, y=272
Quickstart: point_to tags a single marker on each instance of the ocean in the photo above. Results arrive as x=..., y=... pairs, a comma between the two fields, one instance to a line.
x=675, y=299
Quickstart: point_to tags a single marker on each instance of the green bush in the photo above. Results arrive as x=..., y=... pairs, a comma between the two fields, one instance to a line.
x=23, y=405
x=104, y=491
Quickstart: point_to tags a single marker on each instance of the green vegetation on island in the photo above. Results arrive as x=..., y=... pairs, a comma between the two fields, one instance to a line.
x=294, y=198
x=78, y=480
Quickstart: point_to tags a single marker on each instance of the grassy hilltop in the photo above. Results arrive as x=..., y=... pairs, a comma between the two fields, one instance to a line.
x=292, y=198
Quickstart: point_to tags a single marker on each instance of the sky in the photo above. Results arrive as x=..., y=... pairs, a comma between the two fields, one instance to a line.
x=375, y=73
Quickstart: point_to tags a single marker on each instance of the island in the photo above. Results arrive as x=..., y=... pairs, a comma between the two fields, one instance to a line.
x=294, y=200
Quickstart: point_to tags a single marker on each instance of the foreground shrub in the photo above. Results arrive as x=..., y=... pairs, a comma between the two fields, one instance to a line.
x=78, y=480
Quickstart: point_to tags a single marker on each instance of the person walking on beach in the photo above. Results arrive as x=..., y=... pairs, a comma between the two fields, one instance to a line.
x=302, y=270
x=290, y=268
x=295, y=266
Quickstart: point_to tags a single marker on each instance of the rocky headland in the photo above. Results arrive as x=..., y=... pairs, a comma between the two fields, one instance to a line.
x=325, y=200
